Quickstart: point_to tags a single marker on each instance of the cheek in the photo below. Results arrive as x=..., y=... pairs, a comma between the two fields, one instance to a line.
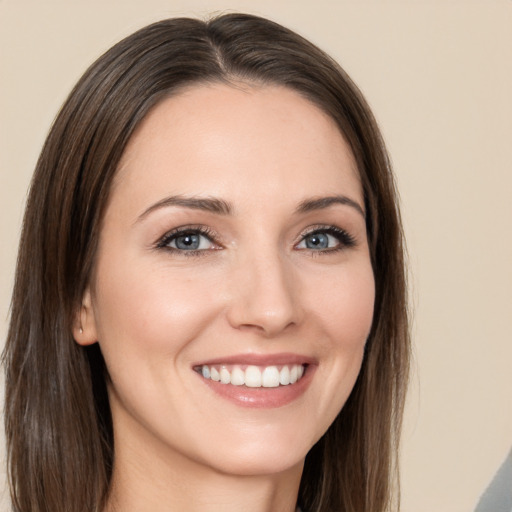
x=340, y=304
x=150, y=308
x=345, y=315
x=346, y=306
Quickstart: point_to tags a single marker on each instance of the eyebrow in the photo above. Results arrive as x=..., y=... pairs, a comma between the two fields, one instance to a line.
x=208, y=204
x=222, y=207
x=325, y=202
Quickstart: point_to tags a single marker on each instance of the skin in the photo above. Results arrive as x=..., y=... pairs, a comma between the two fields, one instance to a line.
x=254, y=287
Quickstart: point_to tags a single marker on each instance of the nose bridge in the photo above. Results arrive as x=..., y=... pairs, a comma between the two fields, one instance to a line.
x=264, y=295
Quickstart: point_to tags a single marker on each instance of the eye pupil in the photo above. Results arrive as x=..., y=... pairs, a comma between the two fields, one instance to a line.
x=317, y=241
x=187, y=241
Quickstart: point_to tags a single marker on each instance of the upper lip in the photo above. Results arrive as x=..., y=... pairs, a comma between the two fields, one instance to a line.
x=259, y=359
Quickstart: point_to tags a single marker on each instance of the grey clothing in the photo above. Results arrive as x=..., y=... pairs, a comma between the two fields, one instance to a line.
x=498, y=496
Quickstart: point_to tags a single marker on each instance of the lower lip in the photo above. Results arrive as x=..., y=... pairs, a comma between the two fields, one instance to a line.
x=262, y=397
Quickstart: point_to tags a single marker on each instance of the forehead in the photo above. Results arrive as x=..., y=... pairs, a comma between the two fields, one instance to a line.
x=237, y=140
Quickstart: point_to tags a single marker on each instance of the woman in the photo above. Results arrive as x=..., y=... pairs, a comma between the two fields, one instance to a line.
x=209, y=309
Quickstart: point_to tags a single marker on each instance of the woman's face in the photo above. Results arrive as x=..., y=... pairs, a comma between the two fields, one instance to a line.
x=233, y=247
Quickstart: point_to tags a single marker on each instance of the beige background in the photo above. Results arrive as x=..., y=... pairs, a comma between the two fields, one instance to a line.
x=439, y=77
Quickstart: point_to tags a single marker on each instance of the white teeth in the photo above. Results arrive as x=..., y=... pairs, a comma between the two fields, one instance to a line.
x=293, y=375
x=237, y=376
x=284, y=376
x=253, y=376
x=214, y=373
x=225, y=376
x=270, y=377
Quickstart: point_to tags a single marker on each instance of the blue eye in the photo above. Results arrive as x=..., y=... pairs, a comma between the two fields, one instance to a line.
x=187, y=240
x=319, y=241
x=327, y=239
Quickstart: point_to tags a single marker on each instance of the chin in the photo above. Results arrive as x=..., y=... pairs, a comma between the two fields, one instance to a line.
x=263, y=453
x=263, y=463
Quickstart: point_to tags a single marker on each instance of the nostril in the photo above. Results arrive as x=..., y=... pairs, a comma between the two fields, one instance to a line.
x=264, y=298
x=265, y=327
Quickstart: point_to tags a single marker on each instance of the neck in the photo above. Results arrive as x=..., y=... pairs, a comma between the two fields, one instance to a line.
x=165, y=482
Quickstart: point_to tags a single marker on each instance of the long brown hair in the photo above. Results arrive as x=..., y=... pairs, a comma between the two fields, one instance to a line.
x=57, y=416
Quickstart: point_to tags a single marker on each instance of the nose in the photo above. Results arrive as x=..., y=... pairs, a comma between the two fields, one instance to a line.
x=264, y=295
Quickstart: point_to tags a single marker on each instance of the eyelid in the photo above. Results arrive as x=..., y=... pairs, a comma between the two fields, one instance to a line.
x=346, y=239
x=207, y=232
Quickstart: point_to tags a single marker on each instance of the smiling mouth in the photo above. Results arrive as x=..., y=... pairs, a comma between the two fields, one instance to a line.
x=252, y=376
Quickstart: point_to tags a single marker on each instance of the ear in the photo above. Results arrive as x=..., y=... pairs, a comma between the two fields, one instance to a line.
x=84, y=326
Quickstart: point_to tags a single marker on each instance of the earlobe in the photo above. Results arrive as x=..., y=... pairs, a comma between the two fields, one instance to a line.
x=84, y=326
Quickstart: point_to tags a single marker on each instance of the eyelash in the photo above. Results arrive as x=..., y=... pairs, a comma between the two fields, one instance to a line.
x=205, y=231
x=345, y=240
